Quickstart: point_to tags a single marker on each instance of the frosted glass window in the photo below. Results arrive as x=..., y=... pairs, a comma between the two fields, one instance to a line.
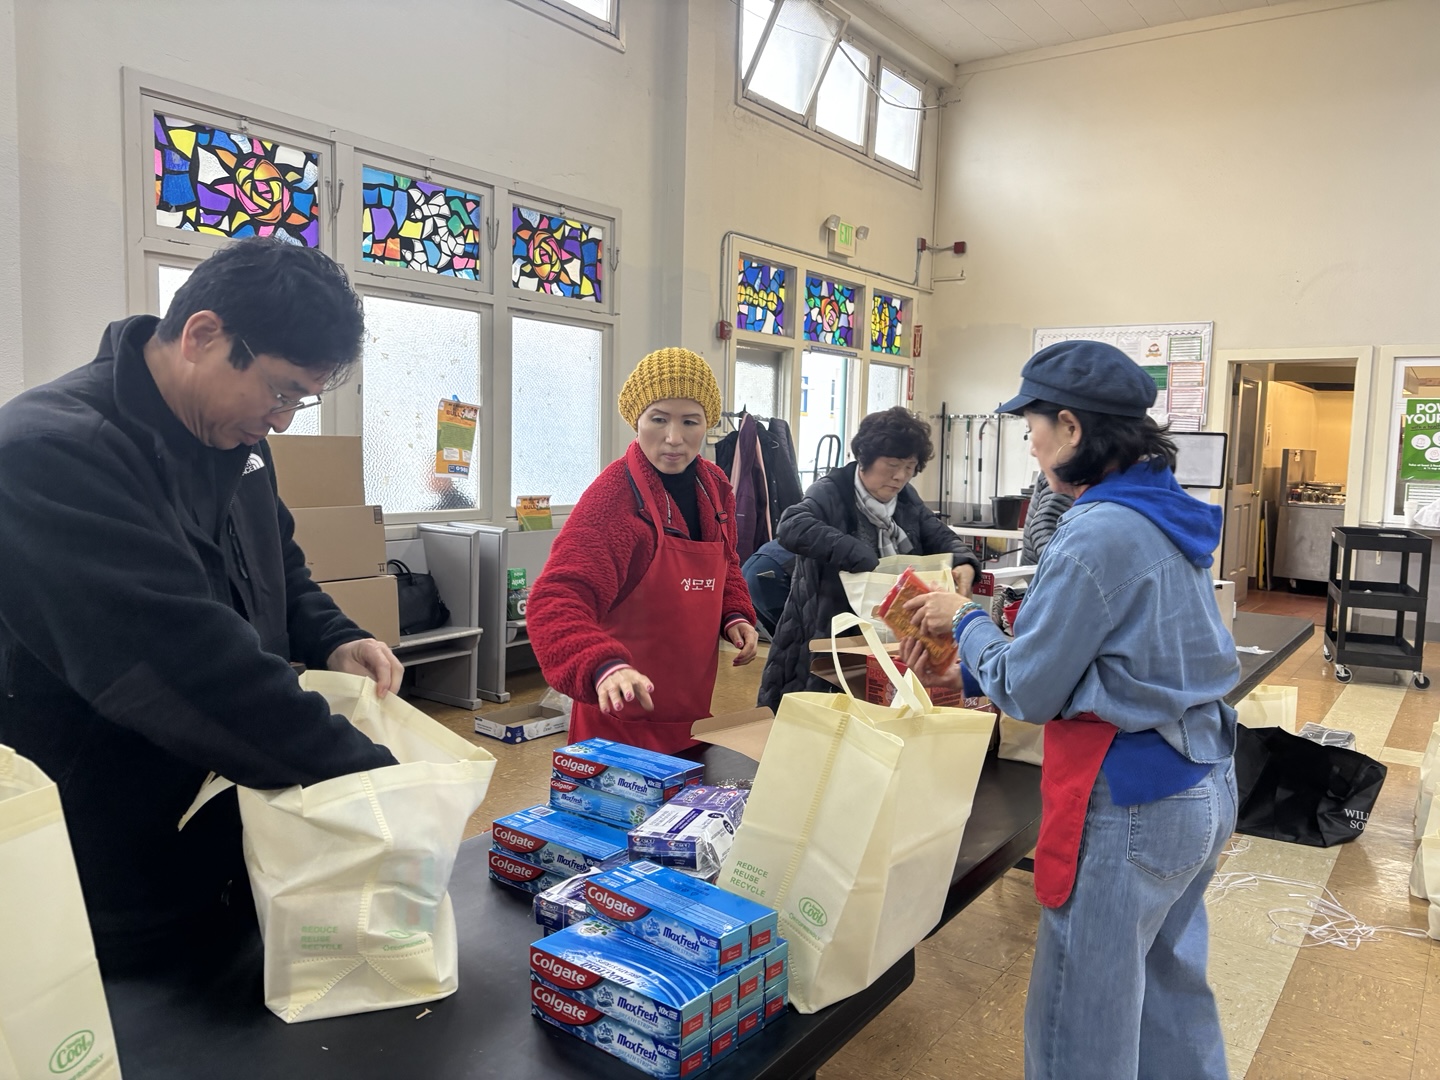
x=415, y=355
x=887, y=388
x=596, y=9
x=555, y=408
x=897, y=121
x=169, y=279
x=757, y=382
x=840, y=108
x=752, y=25
x=824, y=413
x=794, y=56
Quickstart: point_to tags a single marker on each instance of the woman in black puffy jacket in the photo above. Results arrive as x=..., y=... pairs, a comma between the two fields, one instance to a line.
x=847, y=521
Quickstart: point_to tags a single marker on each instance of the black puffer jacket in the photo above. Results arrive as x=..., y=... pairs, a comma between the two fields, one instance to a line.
x=828, y=534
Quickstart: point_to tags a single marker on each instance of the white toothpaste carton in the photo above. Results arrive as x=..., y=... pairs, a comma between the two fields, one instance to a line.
x=693, y=831
x=600, y=805
x=777, y=962
x=642, y=775
x=750, y=983
x=564, y=904
x=655, y=1057
x=676, y=914
x=601, y=967
x=777, y=996
x=558, y=842
x=521, y=875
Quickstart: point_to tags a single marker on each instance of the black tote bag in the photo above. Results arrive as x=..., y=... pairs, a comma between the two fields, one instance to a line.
x=420, y=605
x=1296, y=790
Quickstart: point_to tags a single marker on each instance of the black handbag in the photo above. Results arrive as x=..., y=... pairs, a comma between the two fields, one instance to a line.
x=1299, y=791
x=420, y=605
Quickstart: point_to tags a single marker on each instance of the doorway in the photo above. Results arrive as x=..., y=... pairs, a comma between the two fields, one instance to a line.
x=1291, y=478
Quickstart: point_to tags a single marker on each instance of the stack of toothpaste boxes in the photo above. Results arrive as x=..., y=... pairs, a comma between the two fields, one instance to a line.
x=598, y=789
x=662, y=970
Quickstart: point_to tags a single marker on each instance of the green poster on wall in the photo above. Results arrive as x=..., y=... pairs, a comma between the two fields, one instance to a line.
x=1420, y=454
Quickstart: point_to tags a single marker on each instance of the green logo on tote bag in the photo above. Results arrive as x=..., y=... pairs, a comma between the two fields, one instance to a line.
x=812, y=911
x=72, y=1050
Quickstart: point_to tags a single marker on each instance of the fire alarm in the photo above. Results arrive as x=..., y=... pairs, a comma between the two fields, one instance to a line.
x=722, y=330
x=958, y=247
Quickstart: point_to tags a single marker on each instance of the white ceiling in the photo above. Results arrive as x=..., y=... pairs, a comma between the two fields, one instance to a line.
x=965, y=30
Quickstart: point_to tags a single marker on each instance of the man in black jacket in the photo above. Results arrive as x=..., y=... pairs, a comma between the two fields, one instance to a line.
x=152, y=595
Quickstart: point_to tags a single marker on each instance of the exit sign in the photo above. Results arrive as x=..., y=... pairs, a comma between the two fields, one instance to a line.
x=842, y=239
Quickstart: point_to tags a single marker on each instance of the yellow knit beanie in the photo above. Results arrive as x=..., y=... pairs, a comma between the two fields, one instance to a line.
x=670, y=373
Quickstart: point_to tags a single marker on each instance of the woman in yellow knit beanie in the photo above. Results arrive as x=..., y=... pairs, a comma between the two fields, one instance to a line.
x=644, y=577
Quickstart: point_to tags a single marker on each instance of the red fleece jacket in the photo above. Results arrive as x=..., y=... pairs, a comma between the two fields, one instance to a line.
x=599, y=558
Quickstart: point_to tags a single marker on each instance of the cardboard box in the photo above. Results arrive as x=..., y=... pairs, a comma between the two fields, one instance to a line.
x=318, y=470
x=745, y=732
x=521, y=723
x=371, y=603
x=341, y=542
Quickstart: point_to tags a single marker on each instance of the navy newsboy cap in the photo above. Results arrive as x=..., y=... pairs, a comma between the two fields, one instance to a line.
x=1088, y=375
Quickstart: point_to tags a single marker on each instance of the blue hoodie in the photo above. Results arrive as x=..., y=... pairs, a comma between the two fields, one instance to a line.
x=1120, y=621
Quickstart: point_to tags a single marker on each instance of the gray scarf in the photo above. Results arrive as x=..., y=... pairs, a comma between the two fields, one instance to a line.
x=893, y=539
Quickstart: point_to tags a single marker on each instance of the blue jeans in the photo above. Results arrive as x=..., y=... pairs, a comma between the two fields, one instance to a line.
x=1118, y=989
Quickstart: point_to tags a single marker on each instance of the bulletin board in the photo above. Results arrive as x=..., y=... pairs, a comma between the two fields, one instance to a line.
x=1177, y=356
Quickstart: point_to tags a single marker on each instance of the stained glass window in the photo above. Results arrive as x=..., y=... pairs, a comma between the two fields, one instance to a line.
x=224, y=183
x=829, y=311
x=760, y=298
x=556, y=255
x=420, y=225
x=886, y=314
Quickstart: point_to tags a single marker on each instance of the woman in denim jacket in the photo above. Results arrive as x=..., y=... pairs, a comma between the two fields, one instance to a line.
x=1120, y=652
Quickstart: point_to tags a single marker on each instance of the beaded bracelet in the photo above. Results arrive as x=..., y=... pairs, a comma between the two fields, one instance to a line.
x=959, y=616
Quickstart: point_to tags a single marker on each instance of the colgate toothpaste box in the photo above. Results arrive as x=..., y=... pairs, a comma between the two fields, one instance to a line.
x=679, y=915
x=777, y=996
x=558, y=842
x=777, y=961
x=750, y=983
x=750, y=1023
x=599, y=966
x=601, y=805
x=642, y=775
x=519, y=874
x=693, y=831
x=653, y=1056
x=725, y=1042
x=564, y=904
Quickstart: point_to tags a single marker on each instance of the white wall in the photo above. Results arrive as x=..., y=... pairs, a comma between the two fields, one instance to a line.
x=12, y=363
x=1275, y=177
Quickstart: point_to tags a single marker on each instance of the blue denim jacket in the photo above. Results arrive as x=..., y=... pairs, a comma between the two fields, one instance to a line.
x=1118, y=623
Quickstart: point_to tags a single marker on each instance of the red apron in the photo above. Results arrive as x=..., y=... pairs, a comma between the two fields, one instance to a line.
x=1074, y=751
x=671, y=625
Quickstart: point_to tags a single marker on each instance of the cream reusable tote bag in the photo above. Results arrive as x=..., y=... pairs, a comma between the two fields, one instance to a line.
x=853, y=826
x=53, y=1018
x=350, y=875
x=866, y=591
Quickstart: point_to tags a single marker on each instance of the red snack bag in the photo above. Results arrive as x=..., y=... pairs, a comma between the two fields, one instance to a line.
x=892, y=612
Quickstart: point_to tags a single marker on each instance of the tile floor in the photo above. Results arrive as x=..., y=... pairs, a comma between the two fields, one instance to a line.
x=1289, y=1013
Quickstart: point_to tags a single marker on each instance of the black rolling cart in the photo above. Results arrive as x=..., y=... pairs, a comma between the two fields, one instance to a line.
x=1349, y=591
